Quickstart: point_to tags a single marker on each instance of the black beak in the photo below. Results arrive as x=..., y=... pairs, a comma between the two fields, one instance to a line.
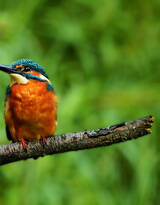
x=8, y=69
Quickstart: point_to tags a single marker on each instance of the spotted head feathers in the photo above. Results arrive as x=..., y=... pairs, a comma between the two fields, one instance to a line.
x=31, y=64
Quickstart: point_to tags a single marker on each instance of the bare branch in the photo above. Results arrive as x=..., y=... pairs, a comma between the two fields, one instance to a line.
x=77, y=141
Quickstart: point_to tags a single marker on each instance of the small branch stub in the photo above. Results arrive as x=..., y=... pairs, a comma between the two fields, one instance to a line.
x=77, y=141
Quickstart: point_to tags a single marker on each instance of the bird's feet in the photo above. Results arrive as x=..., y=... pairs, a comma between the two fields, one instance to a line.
x=44, y=139
x=24, y=143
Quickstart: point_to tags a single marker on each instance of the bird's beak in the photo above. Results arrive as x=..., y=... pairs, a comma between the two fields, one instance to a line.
x=8, y=69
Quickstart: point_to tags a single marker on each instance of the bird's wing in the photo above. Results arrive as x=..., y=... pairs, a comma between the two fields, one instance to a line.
x=8, y=133
x=7, y=128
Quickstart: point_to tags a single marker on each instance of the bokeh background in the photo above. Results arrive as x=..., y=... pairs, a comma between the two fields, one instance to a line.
x=103, y=58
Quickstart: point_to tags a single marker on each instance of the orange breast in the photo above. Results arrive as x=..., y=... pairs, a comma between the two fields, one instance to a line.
x=30, y=111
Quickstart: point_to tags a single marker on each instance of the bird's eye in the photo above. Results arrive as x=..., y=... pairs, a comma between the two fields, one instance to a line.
x=26, y=69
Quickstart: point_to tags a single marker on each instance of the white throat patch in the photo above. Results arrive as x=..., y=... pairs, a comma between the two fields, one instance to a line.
x=44, y=78
x=16, y=78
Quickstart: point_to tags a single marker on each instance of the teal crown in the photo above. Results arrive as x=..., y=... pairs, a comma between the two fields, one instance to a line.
x=29, y=63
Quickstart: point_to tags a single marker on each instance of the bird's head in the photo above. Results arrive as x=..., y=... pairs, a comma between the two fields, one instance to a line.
x=23, y=70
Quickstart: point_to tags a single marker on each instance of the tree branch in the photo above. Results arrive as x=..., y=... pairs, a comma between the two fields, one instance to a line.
x=77, y=141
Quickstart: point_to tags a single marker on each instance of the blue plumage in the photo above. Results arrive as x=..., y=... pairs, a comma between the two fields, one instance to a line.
x=31, y=64
x=8, y=91
x=31, y=76
x=34, y=66
x=49, y=86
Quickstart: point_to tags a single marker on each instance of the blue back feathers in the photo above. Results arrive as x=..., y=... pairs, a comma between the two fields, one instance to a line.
x=31, y=64
x=49, y=86
x=8, y=91
x=31, y=76
x=34, y=77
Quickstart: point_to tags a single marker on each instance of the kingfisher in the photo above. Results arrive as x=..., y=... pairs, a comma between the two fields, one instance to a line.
x=31, y=103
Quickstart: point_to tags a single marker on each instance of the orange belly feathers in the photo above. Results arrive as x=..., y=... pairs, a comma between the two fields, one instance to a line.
x=30, y=111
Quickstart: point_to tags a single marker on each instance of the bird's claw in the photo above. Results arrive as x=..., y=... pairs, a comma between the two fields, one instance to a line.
x=24, y=143
x=44, y=139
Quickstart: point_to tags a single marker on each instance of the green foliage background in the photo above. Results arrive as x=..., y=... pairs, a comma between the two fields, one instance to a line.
x=103, y=58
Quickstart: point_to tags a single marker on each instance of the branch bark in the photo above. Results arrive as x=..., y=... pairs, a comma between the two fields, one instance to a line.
x=77, y=141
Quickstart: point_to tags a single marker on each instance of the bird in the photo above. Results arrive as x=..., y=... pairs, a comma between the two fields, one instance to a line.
x=31, y=103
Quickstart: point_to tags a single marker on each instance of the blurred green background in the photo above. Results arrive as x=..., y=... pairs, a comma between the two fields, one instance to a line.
x=103, y=58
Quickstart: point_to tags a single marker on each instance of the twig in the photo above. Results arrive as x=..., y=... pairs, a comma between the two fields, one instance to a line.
x=77, y=141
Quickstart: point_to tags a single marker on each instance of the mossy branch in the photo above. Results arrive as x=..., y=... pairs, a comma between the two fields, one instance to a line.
x=77, y=141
